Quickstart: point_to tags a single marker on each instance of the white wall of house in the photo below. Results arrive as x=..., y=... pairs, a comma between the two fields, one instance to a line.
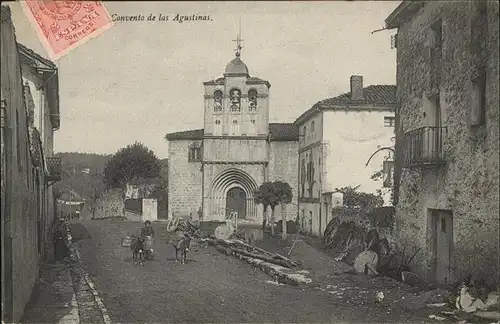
x=349, y=139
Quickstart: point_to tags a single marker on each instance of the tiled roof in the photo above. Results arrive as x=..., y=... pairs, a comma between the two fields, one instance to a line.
x=31, y=57
x=5, y=14
x=374, y=94
x=278, y=132
x=193, y=134
x=284, y=131
x=380, y=95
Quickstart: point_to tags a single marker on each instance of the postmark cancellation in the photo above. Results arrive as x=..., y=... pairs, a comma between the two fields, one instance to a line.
x=64, y=25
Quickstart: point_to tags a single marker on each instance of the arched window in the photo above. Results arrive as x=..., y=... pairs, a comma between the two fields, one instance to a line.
x=252, y=100
x=235, y=128
x=217, y=127
x=235, y=97
x=218, y=101
x=312, y=126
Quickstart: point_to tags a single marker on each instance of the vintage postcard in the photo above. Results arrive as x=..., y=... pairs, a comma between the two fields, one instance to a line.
x=249, y=161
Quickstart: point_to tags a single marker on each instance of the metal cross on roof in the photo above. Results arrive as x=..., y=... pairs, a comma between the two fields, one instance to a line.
x=238, y=41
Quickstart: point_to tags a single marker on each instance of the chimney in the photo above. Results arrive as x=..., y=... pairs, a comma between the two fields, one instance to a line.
x=357, y=87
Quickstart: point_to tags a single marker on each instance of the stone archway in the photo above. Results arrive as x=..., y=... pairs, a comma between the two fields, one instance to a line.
x=229, y=182
x=236, y=202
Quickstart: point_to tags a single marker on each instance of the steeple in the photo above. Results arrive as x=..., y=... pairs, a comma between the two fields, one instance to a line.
x=236, y=67
x=238, y=41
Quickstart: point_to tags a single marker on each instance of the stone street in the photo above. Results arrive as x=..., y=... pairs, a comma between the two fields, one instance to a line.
x=210, y=288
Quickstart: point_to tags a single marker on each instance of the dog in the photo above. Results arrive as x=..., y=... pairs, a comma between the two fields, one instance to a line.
x=138, y=248
x=181, y=248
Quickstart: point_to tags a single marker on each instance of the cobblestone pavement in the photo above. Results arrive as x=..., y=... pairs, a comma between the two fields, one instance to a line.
x=210, y=288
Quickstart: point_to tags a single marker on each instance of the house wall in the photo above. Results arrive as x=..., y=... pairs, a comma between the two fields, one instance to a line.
x=43, y=123
x=348, y=142
x=468, y=184
x=19, y=239
x=309, y=192
x=184, y=180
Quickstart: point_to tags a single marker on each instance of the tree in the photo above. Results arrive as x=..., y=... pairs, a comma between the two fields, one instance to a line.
x=272, y=194
x=285, y=195
x=267, y=196
x=131, y=163
x=387, y=186
x=363, y=200
x=261, y=197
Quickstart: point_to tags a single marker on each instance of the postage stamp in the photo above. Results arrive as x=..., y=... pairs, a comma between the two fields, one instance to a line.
x=65, y=25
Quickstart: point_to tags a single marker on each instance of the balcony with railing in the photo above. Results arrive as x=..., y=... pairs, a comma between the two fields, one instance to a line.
x=424, y=147
x=54, y=168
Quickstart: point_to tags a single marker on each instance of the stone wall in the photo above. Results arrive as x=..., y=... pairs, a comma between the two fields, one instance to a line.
x=184, y=180
x=133, y=216
x=283, y=166
x=110, y=204
x=468, y=184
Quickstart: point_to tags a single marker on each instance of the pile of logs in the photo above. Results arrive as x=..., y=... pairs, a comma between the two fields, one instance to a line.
x=237, y=247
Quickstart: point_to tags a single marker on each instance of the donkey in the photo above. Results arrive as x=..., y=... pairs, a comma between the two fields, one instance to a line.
x=181, y=247
x=138, y=248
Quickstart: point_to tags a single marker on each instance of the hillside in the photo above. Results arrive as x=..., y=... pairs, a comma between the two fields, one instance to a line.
x=82, y=172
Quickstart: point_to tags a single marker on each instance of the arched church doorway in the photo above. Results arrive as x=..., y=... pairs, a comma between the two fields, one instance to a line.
x=236, y=201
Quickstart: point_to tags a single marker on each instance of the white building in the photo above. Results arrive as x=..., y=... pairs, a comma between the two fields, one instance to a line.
x=337, y=137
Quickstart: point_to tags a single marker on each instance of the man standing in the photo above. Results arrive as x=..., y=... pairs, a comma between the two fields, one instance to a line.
x=148, y=230
x=59, y=243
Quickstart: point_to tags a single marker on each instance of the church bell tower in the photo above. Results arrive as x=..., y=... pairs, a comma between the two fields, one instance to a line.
x=237, y=105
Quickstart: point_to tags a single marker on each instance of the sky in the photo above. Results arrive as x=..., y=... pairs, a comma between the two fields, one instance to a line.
x=138, y=81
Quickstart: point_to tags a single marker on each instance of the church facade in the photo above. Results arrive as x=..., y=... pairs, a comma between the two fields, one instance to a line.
x=216, y=169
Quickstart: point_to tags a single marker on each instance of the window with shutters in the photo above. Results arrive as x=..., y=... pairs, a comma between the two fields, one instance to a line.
x=437, y=37
x=195, y=152
x=478, y=100
x=303, y=177
x=389, y=121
